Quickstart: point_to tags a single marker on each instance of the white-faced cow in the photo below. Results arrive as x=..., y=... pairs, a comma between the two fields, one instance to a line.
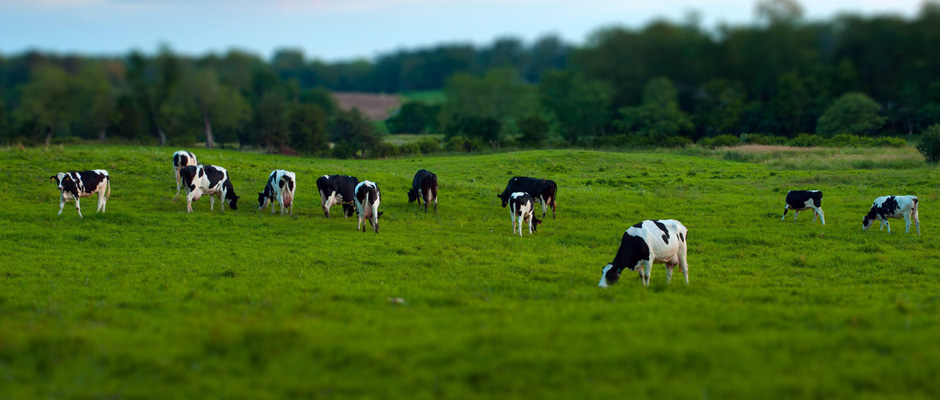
x=648, y=242
x=337, y=189
x=543, y=190
x=802, y=200
x=280, y=188
x=209, y=180
x=182, y=159
x=424, y=188
x=368, y=199
x=75, y=185
x=521, y=208
x=895, y=207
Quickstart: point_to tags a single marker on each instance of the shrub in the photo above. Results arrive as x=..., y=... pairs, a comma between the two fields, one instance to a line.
x=462, y=143
x=385, y=149
x=853, y=113
x=845, y=140
x=806, y=140
x=344, y=150
x=758, y=138
x=888, y=142
x=534, y=130
x=720, y=141
x=675, y=141
x=929, y=144
x=409, y=149
x=429, y=146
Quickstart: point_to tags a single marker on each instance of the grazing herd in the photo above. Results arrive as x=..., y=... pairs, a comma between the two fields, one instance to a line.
x=644, y=244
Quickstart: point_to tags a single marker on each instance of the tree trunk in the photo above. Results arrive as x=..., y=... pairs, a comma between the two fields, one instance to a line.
x=102, y=134
x=210, y=140
x=48, y=135
x=162, y=136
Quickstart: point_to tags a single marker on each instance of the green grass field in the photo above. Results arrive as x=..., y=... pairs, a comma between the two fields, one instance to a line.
x=148, y=301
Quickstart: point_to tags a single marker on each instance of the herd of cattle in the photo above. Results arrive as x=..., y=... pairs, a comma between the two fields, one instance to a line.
x=642, y=245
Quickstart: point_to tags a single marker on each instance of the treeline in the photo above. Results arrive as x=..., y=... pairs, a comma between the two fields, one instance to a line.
x=667, y=83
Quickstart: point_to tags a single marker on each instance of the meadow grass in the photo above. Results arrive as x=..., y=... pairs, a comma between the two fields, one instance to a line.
x=147, y=301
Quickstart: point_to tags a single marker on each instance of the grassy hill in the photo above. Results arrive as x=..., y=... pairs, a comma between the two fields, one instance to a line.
x=147, y=301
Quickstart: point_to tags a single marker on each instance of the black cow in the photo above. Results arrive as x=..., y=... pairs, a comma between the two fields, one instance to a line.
x=337, y=189
x=424, y=188
x=802, y=200
x=543, y=190
x=210, y=180
x=521, y=208
x=75, y=185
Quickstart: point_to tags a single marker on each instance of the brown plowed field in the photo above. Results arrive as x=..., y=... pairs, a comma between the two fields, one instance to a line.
x=375, y=106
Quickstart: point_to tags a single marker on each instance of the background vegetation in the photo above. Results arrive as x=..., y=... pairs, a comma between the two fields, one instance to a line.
x=147, y=301
x=666, y=83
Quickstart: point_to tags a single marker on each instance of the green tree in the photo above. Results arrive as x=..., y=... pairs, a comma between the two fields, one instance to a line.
x=307, y=125
x=659, y=116
x=853, y=113
x=270, y=121
x=351, y=129
x=46, y=103
x=95, y=99
x=217, y=104
x=578, y=103
x=534, y=129
x=720, y=108
x=929, y=144
x=500, y=95
x=412, y=117
x=791, y=105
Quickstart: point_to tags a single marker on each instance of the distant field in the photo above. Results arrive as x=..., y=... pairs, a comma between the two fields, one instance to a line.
x=375, y=106
x=402, y=138
x=148, y=301
x=427, y=96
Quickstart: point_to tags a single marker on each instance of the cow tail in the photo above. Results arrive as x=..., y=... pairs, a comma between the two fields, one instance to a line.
x=107, y=196
x=915, y=210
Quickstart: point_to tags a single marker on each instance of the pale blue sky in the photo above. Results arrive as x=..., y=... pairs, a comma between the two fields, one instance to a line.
x=334, y=30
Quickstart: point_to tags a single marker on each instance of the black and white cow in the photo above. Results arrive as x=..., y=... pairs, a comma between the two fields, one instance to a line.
x=896, y=207
x=521, y=208
x=648, y=242
x=543, y=190
x=210, y=180
x=802, y=200
x=280, y=188
x=182, y=159
x=78, y=184
x=424, y=188
x=368, y=197
x=337, y=189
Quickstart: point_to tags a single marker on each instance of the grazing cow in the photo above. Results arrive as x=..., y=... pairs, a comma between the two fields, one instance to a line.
x=280, y=188
x=424, y=188
x=802, y=200
x=543, y=190
x=896, y=207
x=368, y=199
x=337, y=189
x=522, y=207
x=182, y=159
x=211, y=180
x=75, y=185
x=648, y=242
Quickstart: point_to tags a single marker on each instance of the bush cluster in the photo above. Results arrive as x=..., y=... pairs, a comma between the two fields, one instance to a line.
x=802, y=140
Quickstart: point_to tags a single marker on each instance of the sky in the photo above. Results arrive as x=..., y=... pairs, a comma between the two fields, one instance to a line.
x=341, y=30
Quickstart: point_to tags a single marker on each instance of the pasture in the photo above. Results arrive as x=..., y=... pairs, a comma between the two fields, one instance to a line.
x=147, y=301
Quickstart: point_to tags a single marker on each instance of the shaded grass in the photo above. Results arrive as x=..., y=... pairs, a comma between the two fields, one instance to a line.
x=147, y=301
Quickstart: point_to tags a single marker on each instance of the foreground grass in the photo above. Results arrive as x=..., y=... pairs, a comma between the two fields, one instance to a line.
x=147, y=301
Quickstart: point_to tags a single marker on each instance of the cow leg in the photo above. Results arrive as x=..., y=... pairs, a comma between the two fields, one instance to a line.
x=177, y=173
x=907, y=223
x=785, y=209
x=669, y=267
x=887, y=225
x=100, y=202
x=61, y=203
x=530, y=223
x=822, y=216
x=78, y=207
x=796, y=213
x=544, y=206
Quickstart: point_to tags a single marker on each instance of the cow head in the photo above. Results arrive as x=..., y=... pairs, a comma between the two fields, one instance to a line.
x=535, y=223
x=869, y=218
x=263, y=200
x=505, y=198
x=412, y=195
x=609, y=275
x=233, y=201
x=66, y=183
